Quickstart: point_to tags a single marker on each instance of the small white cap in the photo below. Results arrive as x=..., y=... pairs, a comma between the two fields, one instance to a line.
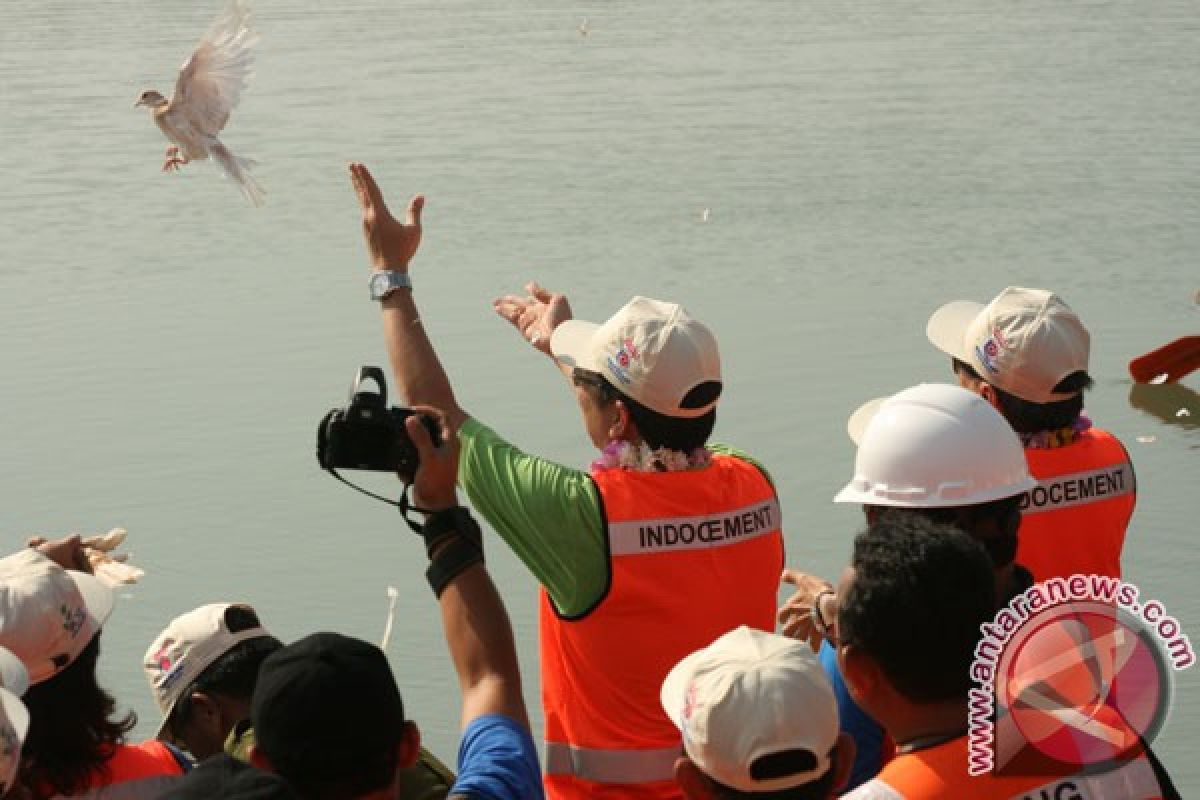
x=14, y=718
x=748, y=695
x=1024, y=342
x=48, y=615
x=652, y=351
x=188, y=645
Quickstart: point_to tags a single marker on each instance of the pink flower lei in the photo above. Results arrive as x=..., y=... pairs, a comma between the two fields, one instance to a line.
x=1048, y=440
x=640, y=458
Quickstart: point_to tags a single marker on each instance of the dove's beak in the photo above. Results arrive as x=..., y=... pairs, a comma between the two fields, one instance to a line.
x=137, y=102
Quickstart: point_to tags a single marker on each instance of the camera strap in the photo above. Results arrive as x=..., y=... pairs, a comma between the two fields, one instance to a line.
x=404, y=505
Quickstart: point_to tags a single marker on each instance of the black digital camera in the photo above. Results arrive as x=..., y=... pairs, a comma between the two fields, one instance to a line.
x=366, y=434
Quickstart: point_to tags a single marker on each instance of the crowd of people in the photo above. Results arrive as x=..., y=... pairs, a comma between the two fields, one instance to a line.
x=662, y=676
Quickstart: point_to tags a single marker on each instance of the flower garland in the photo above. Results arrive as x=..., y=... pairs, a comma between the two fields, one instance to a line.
x=640, y=458
x=1048, y=440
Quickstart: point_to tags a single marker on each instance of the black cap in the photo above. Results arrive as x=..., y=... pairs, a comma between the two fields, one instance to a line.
x=225, y=778
x=325, y=704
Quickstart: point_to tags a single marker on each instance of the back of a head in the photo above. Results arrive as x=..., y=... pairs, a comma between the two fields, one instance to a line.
x=933, y=446
x=757, y=716
x=1026, y=342
x=328, y=716
x=918, y=595
x=658, y=358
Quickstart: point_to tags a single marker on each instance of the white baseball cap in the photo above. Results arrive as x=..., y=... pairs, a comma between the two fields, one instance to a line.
x=749, y=695
x=14, y=718
x=188, y=645
x=933, y=446
x=652, y=351
x=48, y=614
x=1025, y=341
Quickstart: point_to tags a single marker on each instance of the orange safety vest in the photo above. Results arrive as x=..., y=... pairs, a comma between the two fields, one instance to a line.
x=1073, y=522
x=692, y=555
x=144, y=771
x=940, y=773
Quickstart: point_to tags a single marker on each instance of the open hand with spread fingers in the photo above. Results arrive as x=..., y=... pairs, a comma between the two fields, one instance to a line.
x=391, y=244
x=536, y=315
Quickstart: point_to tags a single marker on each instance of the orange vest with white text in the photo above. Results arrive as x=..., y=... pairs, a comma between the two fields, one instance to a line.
x=692, y=555
x=940, y=773
x=144, y=771
x=1074, y=520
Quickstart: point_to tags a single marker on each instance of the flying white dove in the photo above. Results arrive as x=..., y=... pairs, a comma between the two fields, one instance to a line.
x=209, y=86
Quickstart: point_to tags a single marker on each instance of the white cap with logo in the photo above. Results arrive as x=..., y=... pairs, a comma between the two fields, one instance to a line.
x=751, y=695
x=48, y=615
x=188, y=645
x=1024, y=342
x=652, y=351
x=14, y=718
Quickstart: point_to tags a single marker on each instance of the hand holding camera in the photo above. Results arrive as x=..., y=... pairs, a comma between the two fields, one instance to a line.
x=369, y=435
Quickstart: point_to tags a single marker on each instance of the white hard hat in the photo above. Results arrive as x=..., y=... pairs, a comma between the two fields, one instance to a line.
x=933, y=446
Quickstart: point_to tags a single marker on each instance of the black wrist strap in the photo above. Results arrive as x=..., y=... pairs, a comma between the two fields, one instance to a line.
x=451, y=522
x=452, y=558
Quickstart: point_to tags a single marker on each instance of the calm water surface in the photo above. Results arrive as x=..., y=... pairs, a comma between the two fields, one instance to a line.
x=168, y=350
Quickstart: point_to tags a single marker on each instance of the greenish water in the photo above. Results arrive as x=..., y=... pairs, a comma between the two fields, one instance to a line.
x=168, y=350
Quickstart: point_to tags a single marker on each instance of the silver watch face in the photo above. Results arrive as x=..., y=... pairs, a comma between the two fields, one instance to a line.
x=379, y=285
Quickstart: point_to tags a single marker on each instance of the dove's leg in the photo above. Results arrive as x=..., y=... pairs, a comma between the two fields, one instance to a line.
x=175, y=162
x=172, y=151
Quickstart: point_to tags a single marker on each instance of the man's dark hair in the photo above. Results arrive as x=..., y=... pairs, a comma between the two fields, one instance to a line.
x=787, y=763
x=71, y=735
x=684, y=434
x=1028, y=417
x=235, y=673
x=328, y=717
x=919, y=594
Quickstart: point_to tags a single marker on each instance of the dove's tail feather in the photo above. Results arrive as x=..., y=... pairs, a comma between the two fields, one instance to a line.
x=238, y=171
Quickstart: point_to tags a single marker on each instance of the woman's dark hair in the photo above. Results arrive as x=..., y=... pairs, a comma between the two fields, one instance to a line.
x=71, y=736
x=1028, y=417
x=235, y=673
x=684, y=434
x=778, y=765
x=919, y=594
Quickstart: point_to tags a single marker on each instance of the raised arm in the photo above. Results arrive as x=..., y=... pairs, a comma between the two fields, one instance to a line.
x=476, y=625
x=391, y=245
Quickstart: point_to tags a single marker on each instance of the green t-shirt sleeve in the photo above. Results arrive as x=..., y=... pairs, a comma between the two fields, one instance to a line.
x=547, y=513
x=726, y=450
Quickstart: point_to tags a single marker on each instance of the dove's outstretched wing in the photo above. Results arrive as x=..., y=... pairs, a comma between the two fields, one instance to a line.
x=211, y=80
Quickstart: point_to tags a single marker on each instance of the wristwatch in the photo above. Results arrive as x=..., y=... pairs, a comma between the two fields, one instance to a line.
x=384, y=282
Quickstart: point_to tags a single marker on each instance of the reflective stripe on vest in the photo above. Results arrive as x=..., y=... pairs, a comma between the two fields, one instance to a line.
x=940, y=772
x=1079, y=488
x=641, y=536
x=611, y=766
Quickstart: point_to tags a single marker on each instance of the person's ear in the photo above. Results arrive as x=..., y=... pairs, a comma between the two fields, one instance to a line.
x=205, y=713
x=692, y=782
x=620, y=424
x=410, y=745
x=843, y=761
x=259, y=759
x=859, y=671
x=988, y=392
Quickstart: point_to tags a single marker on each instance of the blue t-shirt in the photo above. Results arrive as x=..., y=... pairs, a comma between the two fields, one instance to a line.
x=497, y=760
x=866, y=732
